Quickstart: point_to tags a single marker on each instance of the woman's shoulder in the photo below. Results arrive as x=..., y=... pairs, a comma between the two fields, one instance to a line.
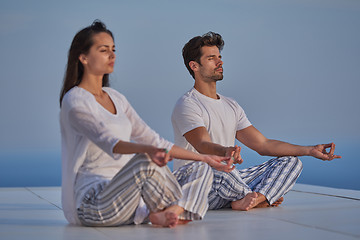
x=77, y=97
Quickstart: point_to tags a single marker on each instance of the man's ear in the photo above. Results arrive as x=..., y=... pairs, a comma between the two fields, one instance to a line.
x=193, y=65
x=83, y=59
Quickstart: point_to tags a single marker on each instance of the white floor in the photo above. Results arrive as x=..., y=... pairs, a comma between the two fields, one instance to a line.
x=308, y=212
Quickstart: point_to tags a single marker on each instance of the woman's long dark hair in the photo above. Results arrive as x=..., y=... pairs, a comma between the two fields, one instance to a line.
x=81, y=44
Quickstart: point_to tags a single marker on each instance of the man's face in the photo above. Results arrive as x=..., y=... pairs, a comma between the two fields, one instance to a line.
x=210, y=67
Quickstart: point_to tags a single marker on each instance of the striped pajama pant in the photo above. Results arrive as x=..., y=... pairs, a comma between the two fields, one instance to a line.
x=195, y=180
x=115, y=203
x=273, y=179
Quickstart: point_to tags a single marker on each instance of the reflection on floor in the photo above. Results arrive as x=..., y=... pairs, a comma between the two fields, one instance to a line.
x=308, y=212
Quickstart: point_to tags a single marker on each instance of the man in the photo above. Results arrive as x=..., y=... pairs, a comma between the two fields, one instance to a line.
x=207, y=122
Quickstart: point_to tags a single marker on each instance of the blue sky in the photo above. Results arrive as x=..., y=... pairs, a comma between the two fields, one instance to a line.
x=294, y=66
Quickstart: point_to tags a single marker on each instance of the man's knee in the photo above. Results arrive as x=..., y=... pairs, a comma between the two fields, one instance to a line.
x=193, y=171
x=203, y=170
x=201, y=166
x=293, y=161
x=296, y=162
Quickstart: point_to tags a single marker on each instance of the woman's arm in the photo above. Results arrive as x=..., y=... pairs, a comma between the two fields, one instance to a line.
x=219, y=163
x=161, y=156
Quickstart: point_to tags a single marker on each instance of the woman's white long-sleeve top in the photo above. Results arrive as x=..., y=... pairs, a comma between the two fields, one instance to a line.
x=89, y=133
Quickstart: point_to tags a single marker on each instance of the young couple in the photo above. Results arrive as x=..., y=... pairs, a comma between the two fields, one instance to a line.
x=114, y=165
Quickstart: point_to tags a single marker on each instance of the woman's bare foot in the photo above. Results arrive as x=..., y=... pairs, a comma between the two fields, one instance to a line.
x=245, y=203
x=164, y=218
x=182, y=222
x=168, y=217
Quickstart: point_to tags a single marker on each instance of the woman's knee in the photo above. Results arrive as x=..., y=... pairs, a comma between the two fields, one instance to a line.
x=142, y=158
x=142, y=164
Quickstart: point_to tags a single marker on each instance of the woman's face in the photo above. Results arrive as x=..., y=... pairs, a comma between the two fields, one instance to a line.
x=101, y=57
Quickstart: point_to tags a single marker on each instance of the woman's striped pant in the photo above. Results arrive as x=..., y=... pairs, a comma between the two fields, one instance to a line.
x=115, y=203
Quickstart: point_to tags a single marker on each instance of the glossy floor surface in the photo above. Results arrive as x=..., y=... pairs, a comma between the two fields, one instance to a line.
x=308, y=212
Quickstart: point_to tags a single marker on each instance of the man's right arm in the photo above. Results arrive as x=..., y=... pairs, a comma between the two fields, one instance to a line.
x=200, y=139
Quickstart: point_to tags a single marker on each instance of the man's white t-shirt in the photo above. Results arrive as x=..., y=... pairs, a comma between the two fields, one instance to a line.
x=221, y=117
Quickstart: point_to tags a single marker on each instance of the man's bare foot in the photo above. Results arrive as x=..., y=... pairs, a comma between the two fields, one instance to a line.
x=254, y=200
x=265, y=204
x=245, y=203
x=278, y=202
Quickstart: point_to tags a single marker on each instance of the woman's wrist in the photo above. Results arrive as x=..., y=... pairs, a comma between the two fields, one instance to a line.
x=203, y=158
x=148, y=149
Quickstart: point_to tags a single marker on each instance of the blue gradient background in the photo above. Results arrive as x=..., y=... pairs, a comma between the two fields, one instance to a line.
x=294, y=66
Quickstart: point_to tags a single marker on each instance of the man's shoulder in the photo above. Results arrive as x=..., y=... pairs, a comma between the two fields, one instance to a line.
x=187, y=98
x=186, y=104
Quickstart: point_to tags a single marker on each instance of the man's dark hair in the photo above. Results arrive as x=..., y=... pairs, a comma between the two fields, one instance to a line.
x=192, y=49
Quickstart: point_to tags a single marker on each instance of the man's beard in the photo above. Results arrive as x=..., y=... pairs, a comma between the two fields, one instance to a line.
x=214, y=77
x=218, y=77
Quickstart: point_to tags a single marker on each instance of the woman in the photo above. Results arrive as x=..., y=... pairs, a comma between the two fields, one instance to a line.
x=103, y=183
